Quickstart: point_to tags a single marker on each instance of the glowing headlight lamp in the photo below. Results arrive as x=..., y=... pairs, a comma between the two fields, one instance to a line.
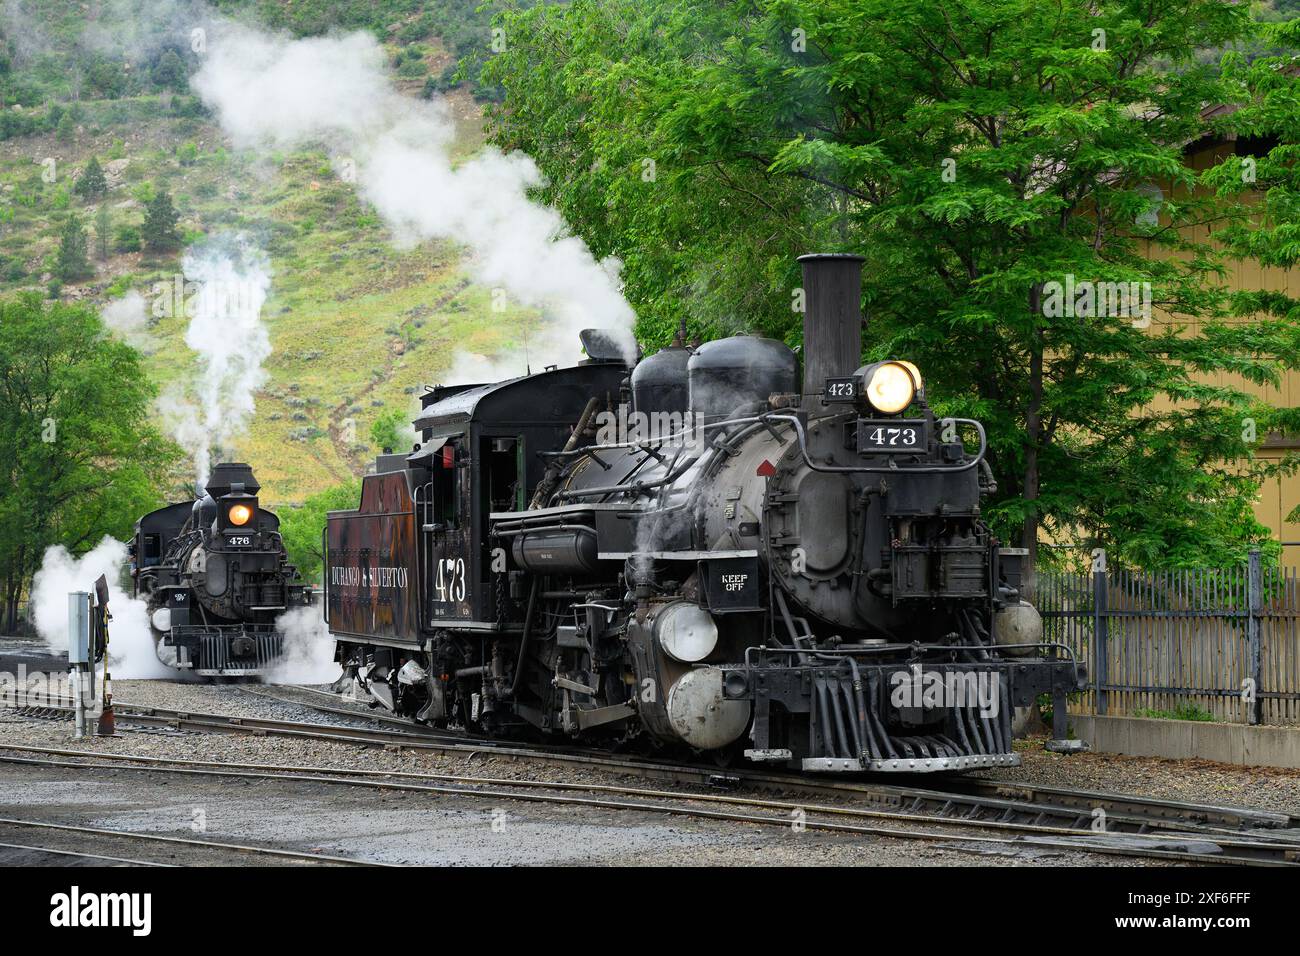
x=889, y=387
x=238, y=515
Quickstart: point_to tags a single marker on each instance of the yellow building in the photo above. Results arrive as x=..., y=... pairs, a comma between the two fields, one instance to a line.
x=1279, y=496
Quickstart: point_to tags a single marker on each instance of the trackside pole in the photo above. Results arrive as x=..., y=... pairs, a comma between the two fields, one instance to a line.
x=107, y=726
x=79, y=656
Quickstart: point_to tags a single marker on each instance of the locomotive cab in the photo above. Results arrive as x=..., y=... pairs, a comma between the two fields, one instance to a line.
x=414, y=574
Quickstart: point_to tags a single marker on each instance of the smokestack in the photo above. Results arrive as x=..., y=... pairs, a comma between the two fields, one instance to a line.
x=832, y=320
x=228, y=474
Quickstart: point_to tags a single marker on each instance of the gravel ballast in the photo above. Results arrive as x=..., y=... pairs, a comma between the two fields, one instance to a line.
x=587, y=836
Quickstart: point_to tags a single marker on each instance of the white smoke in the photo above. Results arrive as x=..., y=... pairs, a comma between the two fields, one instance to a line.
x=471, y=368
x=128, y=318
x=23, y=31
x=138, y=29
x=225, y=285
x=308, y=649
x=273, y=92
x=131, y=651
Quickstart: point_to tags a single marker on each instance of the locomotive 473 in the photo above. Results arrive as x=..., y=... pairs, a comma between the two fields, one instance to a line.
x=699, y=550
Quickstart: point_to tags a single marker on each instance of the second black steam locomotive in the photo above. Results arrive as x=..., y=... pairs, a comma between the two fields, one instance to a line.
x=699, y=550
x=215, y=576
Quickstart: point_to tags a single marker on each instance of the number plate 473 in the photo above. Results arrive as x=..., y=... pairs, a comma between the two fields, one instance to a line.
x=891, y=436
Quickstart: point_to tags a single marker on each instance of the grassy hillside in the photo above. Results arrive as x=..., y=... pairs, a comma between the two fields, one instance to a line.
x=356, y=325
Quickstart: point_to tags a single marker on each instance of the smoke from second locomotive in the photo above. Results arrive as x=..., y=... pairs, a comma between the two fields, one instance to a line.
x=308, y=649
x=273, y=92
x=223, y=288
x=130, y=644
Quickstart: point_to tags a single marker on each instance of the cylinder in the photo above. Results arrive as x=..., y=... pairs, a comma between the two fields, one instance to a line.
x=832, y=322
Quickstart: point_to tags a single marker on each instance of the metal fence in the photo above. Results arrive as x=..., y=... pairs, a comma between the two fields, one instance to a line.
x=1218, y=642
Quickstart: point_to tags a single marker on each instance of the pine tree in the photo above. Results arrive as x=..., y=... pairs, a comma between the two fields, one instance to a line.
x=169, y=72
x=91, y=182
x=103, y=228
x=72, y=263
x=160, y=220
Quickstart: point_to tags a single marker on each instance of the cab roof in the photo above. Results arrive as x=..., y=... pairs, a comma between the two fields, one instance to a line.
x=555, y=395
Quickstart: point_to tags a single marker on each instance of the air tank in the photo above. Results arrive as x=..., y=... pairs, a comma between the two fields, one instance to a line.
x=728, y=373
x=659, y=382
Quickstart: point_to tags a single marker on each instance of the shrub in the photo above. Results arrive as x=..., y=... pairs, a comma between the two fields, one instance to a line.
x=127, y=239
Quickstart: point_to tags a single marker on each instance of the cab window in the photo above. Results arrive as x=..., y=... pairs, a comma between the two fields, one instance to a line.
x=445, y=491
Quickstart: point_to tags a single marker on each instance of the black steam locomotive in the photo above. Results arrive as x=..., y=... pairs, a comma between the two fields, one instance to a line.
x=698, y=552
x=215, y=576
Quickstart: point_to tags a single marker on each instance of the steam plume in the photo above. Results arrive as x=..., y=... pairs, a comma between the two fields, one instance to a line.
x=308, y=649
x=128, y=317
x=279, y=93
x=228, y=279
x=130, y=644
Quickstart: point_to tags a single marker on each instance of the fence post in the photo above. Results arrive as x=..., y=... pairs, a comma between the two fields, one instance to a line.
x=1255, y=606
x=1100, y=625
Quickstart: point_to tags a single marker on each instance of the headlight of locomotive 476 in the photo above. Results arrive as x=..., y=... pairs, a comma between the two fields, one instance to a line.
x=239, y=515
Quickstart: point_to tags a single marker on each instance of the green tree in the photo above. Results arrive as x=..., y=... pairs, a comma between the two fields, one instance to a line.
x=72, y=263
x=91, y=183
x=127, y=239
x=66, y=128
x=388, y=430
x=79, y=455
x=103, y=230
x=169, y=71
x=301, y=526
x=160, y=219
x=976, y=153
x=1268, y=120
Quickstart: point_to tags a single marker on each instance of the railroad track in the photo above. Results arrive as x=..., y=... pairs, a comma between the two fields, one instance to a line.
x=969, y=833
x=156, y=838
x=98, y=858
x=1170, y=830
x=968, y=797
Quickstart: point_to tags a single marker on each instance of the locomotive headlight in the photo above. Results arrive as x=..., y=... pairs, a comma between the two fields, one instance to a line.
x=890, y=387
x=686, y=632
x=916, y=372
x=238, y=515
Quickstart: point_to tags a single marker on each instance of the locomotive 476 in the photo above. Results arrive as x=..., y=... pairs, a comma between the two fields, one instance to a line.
x=798, y=574
x=215, y=576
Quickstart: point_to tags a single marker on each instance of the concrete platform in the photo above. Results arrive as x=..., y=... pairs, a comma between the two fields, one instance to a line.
x=1242, y=744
